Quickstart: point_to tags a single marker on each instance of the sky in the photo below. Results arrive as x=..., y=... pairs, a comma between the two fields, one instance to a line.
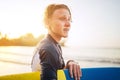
x=95, y=23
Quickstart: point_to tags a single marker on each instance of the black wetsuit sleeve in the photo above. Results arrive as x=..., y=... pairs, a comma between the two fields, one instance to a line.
x=48, y=70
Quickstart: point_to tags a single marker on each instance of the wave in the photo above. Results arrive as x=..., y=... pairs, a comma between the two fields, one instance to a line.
x=15, y=62
x=23, y=56
x=100, y=60
x=88, y=59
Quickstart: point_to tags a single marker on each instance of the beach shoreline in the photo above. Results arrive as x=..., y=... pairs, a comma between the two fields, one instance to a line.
x=8, y=68
x=12, y=68
x=16, y=60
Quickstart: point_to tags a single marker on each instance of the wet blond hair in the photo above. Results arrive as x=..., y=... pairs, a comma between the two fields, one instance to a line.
x=51, y=9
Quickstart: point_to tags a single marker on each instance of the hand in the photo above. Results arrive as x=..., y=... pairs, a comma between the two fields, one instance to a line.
x=74, y=69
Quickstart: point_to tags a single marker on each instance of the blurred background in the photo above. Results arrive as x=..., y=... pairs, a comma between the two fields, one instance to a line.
x=94, y=38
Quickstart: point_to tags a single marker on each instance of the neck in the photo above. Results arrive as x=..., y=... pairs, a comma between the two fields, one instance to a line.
x=55, y=37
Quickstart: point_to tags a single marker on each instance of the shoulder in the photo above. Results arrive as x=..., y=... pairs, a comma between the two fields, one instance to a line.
x=46, y=44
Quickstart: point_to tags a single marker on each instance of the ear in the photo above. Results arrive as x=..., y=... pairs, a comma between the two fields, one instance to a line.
x=46, y=23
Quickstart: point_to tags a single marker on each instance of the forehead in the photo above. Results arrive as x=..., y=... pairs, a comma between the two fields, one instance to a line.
x=61, y=12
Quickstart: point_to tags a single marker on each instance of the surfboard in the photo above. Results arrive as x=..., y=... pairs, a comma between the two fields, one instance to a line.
x=102, y=73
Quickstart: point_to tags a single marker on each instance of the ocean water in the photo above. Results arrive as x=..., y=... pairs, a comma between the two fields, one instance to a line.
x=93, y=57
x=17, y=59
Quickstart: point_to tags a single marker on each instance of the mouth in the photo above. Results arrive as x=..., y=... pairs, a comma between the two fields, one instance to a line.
x=66, y=29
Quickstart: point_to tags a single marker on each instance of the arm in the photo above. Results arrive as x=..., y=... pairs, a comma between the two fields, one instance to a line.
x=48, y=72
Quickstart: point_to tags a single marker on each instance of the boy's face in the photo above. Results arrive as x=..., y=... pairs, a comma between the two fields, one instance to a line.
x=59, y=23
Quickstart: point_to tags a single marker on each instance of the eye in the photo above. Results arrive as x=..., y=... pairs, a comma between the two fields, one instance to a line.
x=69, y=19
x=62, y=18
x=65, y=19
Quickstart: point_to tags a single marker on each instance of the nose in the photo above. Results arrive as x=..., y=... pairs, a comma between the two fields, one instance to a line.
x=67, y=24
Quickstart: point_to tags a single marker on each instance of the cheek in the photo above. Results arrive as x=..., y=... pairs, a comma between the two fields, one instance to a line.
x=60, y=25
x=57, y=26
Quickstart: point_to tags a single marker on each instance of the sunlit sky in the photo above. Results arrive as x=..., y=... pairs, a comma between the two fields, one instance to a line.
x=96, y=23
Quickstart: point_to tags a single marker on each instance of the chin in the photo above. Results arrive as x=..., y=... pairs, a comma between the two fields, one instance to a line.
x=65, y=36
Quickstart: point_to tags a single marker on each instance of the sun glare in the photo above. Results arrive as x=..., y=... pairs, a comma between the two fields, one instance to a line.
x=12, y=36
x=18, y=18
